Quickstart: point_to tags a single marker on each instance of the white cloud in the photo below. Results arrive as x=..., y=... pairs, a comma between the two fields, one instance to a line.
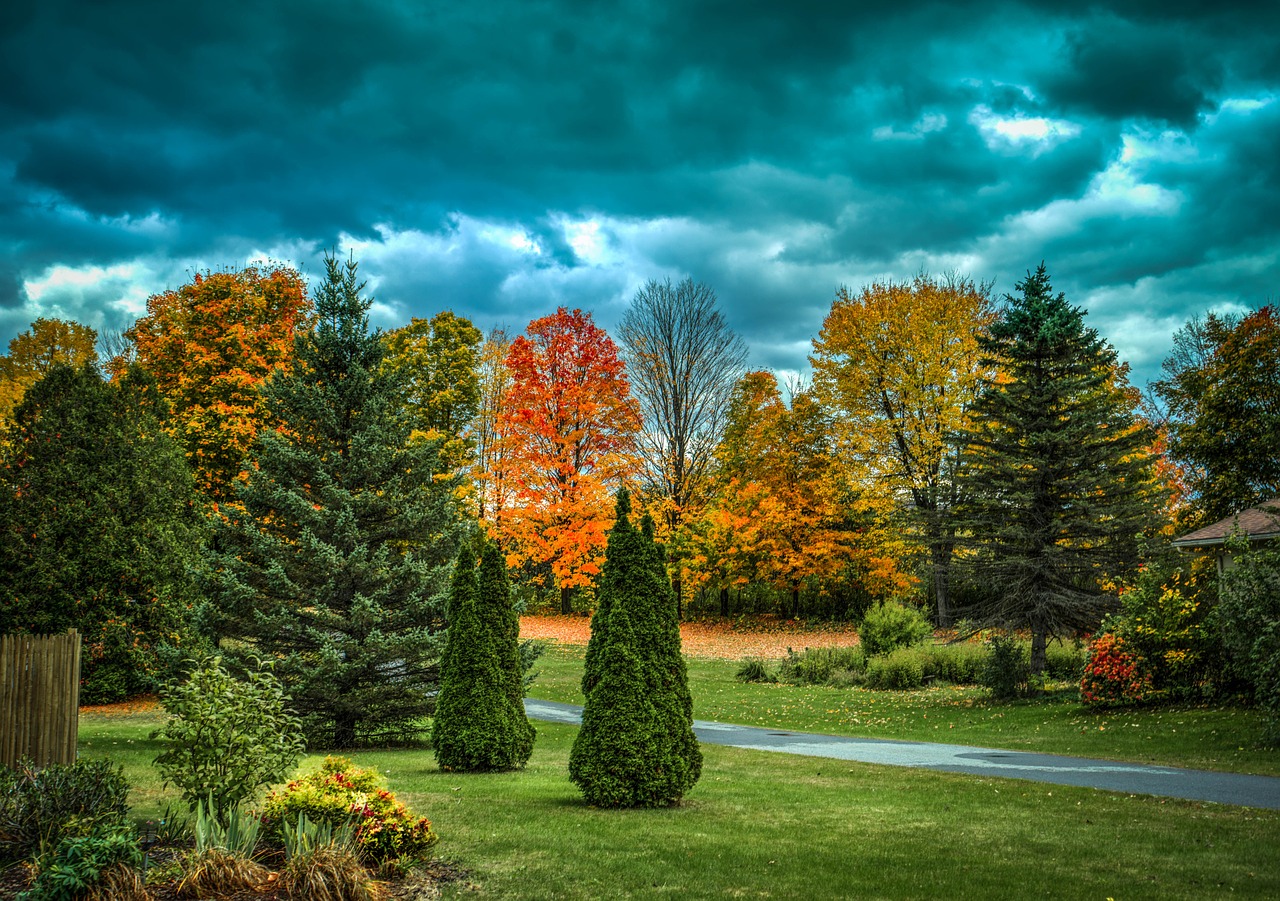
x=1019, y=133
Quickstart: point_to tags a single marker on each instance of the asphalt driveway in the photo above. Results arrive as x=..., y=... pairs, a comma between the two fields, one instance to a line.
x=1130, y=778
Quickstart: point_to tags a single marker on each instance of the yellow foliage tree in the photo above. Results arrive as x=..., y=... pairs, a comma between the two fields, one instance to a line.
x=899, y=366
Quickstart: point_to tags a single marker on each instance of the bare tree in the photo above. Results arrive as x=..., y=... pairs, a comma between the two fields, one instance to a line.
x=494, y=379
x=683, y=360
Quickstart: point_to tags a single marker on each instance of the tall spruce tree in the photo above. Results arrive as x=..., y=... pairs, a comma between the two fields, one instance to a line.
x=636, y=747
x=480, y=723
x=99, y=526
x=335, y=558
x=1061, y=485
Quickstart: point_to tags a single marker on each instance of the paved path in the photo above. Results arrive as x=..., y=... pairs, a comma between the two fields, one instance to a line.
x=1130, y=778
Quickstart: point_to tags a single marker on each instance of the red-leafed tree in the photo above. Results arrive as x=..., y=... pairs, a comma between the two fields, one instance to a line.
x=568, y=426
x=209, y=345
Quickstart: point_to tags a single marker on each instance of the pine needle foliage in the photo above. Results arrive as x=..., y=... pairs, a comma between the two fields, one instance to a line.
x=480, y=723
x=636, y=747
x=334, y=559
x=1060, y=482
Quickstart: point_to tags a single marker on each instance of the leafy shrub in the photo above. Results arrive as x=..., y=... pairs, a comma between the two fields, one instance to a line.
x=38, y=808
x=1168, y=622
x=816, y=666
x=1065, y=662
x=901, y=670
x=1250, y=617
x=959, y=664
x=753, y=669
x=104, y=864
x=227, y=738
x=1113, y=676
x=890, y=625
x=340, y=792
x=1007, y=671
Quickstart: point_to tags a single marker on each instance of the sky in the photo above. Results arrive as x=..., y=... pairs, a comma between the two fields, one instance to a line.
x=501, y=159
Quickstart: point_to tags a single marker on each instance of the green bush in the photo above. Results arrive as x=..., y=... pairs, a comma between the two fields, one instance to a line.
x=227, y=738
x=959, y=664
x=340, y=792
x=38, y=808
x=817, y=666
x=1007, y=672
x=753, y=669
x=890, y=625
x=105, y=863
x=1250, y=617
x=901, y=670
x=1066, y=662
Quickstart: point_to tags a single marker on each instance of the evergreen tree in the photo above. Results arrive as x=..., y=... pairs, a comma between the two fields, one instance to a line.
x=334, y=559
x=98, y=526
x=1061, y=485
x=636, y=747
x=480, y=722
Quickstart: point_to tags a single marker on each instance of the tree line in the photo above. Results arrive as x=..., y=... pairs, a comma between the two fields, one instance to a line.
x=254, y=468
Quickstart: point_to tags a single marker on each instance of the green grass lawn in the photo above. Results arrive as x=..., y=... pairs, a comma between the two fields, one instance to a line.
x=777, y=826
x=1213, y=738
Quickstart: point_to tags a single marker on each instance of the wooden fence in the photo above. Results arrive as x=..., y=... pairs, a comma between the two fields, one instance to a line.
x=39, y=698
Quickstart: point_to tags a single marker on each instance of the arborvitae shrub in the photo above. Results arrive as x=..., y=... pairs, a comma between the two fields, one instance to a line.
x=890, y=625
x=480, y=722
x=636, y=747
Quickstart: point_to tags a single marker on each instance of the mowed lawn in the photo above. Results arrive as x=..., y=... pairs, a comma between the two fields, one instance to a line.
x=778, y=826
x=1226, y=738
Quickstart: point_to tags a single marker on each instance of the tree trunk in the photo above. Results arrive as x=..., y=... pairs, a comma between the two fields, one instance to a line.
x=566, y=600
x=941, y=553
x=795, y=601
x=344, y=731
x=1039, y=651
x=724, y=601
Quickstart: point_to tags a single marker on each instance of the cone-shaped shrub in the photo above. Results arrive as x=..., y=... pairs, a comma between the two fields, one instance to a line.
x=636, y=747
x=480, y=722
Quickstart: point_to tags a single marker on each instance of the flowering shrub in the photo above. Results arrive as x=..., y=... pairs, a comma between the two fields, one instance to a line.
x=341, y=792
x=1113, y=676
x=1168, y=623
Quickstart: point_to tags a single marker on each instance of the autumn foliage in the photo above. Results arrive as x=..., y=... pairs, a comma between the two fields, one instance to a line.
x=210, y=344
x=567, y=428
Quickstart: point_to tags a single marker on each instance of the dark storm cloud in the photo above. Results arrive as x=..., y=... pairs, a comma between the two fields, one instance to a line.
x=774, y=151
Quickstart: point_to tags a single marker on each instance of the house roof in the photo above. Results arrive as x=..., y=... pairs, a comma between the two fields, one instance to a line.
x=1259, y=523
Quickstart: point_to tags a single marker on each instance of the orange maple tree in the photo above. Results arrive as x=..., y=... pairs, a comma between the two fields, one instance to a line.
x=567, y=429
x=210, y=344
x=782, y=514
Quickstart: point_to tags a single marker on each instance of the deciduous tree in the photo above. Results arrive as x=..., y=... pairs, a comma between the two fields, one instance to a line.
x=899, y=366
x=493, y=381
x=334, y=561
x=1221, y=386
x=568, y=429
x=48, y=343
x=1060, y=484
x=683, y=360
x=436, y=359
x=210, y=344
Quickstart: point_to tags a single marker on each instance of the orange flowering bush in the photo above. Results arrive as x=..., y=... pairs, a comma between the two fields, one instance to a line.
x=341, y=792
x=1113, y=676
